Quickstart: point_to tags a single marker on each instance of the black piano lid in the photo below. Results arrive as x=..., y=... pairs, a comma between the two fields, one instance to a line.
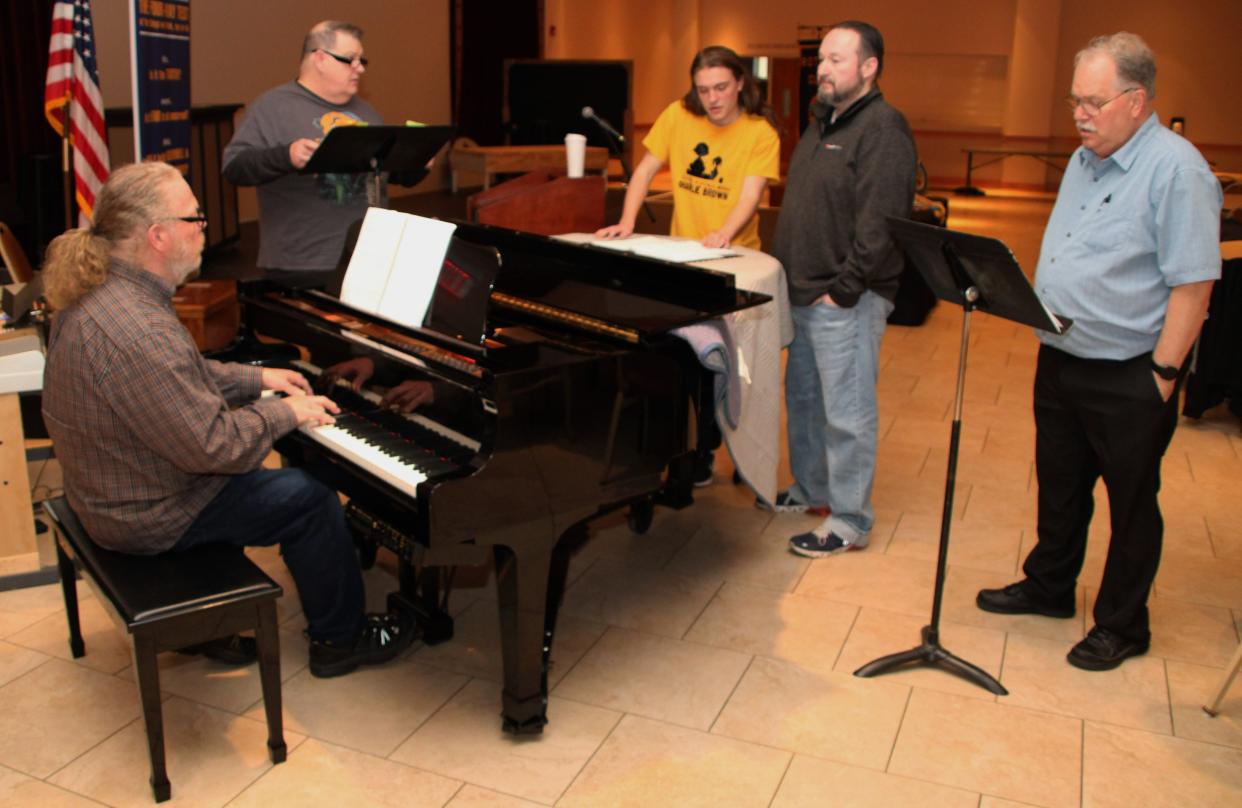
x=646, y=295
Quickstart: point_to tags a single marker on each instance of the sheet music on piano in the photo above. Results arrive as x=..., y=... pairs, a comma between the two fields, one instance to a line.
x=395, y=265
x=678, y=251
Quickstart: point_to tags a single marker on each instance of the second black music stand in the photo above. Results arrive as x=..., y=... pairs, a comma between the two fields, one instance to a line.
x=376, y=149
x=976, y=273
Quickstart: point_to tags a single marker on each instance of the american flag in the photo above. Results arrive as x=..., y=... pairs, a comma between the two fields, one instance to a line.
x=71, y=71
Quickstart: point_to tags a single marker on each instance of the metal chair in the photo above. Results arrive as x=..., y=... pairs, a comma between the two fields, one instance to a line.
x=1213, y=707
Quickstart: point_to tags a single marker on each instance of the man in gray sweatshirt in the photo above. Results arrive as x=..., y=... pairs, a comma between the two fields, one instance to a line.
x=303, y=218
x=855, y=165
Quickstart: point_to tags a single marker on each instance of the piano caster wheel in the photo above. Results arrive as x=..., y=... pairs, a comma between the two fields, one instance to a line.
x=640, y=516
x=367, y=551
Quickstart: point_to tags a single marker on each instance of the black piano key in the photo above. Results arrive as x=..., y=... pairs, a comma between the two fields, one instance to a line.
x=395, y=434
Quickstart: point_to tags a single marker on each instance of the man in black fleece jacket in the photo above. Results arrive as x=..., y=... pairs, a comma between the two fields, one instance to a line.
x=855, y=165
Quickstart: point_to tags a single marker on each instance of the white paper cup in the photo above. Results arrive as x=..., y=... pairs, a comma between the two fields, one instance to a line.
x=575, y=154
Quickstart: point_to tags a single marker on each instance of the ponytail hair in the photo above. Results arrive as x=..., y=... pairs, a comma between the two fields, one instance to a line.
x=129, y=202
x=76, y=262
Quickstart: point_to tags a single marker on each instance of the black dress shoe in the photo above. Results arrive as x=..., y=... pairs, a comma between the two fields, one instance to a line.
x=1015, y=599
x=1103, y=650
x=231, y=650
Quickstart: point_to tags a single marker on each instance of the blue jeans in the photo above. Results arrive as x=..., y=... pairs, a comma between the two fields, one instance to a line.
x=293, y=509
x=831, y=402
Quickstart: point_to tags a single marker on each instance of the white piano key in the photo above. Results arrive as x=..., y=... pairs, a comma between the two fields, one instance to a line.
x=397, y=473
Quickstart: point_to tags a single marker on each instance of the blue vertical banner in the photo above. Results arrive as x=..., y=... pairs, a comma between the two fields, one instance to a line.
x=161, y=76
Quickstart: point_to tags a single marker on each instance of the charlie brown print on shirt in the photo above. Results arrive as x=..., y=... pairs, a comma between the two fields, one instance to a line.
x=699, y=169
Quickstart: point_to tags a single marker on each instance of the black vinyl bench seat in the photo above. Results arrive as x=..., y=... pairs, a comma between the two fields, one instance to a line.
x=170, y=601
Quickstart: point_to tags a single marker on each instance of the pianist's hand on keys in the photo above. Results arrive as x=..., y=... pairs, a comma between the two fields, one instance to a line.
x=312, y=410
x=289, y=382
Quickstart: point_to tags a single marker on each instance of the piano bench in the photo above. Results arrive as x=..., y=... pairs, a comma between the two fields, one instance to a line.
x=169, y=601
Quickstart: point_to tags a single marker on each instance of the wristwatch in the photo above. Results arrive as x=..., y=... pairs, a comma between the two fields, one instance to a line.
x=1166, y=372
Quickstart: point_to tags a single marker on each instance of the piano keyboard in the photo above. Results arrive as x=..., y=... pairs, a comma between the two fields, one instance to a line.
x=390, y=468
x=403, y=449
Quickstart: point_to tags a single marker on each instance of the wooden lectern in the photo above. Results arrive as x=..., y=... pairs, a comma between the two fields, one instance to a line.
x=209, y=311
x=544, y=202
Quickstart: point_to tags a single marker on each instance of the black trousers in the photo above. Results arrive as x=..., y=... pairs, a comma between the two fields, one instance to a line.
x=1100, y=418
x=702, y=384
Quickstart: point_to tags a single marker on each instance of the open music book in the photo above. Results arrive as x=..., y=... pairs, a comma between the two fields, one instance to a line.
x=678, y=251
x=395, y=265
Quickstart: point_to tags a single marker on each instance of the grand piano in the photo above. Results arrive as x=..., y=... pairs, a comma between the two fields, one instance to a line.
x=552, y=393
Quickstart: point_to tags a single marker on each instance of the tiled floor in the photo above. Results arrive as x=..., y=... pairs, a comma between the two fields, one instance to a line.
x=702, y=664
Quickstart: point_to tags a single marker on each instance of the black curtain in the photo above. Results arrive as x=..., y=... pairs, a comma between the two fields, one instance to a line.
x=30, y=177
x=483, y=35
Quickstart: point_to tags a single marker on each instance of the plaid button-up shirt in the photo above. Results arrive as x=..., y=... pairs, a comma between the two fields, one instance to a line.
x=146, y=430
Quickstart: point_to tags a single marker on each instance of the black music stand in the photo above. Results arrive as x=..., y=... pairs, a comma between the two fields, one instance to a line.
x=376, y=149
x=980, y=273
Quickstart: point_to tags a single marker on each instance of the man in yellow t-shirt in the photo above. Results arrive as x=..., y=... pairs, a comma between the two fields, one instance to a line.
x=721, y=150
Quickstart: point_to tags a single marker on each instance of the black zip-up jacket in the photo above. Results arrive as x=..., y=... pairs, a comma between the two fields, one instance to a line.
x=844, y=178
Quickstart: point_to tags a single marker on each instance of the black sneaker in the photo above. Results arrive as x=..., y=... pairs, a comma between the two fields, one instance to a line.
x=383, y=637
x=1103, y=649
x=704, y=469
x=231, y=650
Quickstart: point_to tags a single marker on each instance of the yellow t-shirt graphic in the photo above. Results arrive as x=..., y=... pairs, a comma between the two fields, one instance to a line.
x=708, y=165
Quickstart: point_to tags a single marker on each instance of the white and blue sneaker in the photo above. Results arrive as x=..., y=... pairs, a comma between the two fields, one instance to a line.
x=822, y=542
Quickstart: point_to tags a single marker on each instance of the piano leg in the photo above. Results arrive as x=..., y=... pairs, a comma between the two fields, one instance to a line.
x=678, y=491
x=529, y=590
x=420, y=595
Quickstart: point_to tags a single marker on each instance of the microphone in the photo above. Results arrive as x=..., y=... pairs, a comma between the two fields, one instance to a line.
x=589, y=114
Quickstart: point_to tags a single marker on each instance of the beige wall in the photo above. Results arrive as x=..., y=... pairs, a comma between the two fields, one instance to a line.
x=650, y=32
x=965, y=72
x=971, y=37
x=1198, y=58
x=909, y=26
x=962, y=70
x=240, y=48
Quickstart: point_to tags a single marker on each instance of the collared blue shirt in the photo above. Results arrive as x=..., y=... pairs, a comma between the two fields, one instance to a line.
x=1124, y=231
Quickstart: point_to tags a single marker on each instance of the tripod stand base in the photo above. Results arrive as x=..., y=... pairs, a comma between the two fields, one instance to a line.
x=932, y=654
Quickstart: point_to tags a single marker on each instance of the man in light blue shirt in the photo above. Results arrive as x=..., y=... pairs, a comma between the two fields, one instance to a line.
x=1130, y=255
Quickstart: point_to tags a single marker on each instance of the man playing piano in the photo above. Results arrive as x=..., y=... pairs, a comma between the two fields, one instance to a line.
x=161, y=449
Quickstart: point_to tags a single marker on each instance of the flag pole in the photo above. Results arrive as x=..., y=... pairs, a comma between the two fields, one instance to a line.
x=66, y=141
x=66, y=155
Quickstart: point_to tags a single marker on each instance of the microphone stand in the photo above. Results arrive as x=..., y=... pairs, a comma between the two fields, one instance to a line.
x=614, y=145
